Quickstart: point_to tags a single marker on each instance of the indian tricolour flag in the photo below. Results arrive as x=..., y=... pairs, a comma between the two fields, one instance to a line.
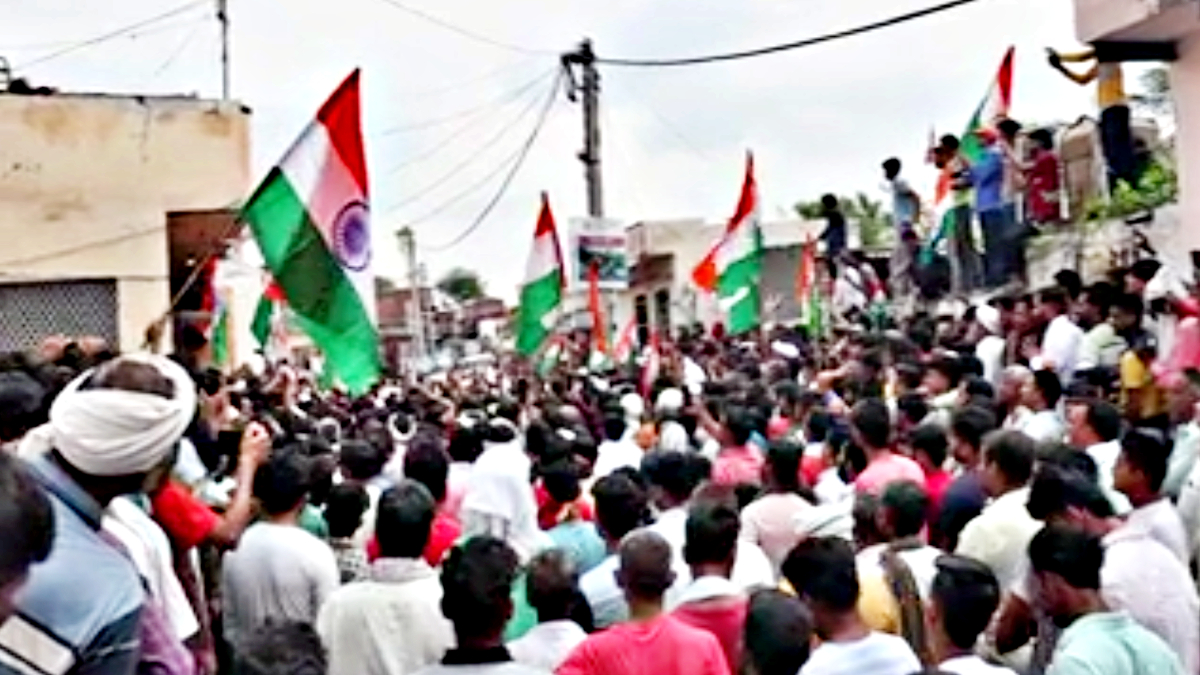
x=311, y=220
x=734, y=265
x=994, y=106
x=543, y=288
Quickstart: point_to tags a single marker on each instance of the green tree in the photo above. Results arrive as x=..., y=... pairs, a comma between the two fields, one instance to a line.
x=461, y=284
x=1155, y=96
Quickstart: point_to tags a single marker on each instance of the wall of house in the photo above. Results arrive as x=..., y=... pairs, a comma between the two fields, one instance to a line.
x=86, y=182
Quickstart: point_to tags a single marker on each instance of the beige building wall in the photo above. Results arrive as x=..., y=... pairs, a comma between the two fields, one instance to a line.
x=86, y=182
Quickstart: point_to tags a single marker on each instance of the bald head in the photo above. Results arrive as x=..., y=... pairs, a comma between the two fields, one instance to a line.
x=645, y=572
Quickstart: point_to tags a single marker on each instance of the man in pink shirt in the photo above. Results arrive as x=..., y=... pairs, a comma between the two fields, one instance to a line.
x=651, y=642
x=871, y=430
x=740, y=463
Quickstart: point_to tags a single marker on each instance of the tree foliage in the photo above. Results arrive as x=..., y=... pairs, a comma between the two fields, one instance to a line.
x=1155, y=96
x=461, y=284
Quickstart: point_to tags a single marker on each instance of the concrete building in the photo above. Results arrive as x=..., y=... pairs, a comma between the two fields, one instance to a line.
x=1141, y=25
x=87, y=183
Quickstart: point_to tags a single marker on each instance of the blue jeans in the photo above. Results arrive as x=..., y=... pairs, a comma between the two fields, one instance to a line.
x=999, y=245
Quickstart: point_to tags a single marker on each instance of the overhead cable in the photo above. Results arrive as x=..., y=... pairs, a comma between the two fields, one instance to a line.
x=787, y=46
x=467, y=33
x=522, y=155
x=112, y=35
x=473, y=111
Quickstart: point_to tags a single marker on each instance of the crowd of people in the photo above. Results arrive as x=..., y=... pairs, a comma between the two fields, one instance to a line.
x=1012, y=488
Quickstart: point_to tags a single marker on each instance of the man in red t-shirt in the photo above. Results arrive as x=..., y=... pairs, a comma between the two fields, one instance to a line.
x=711, y=601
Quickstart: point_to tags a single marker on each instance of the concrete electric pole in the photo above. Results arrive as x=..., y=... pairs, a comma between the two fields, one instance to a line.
x=588, y=84
x=416, y=318
x=223, y=19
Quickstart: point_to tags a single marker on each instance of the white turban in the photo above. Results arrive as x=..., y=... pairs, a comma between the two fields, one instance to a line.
x=113, y=432
x=669, y=401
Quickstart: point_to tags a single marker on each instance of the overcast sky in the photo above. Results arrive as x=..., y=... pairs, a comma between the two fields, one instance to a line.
x=819, y=119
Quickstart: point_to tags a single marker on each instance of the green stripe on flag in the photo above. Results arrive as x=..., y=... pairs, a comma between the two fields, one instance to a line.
x=325, y=302
x=260, y=327
x=538, y=301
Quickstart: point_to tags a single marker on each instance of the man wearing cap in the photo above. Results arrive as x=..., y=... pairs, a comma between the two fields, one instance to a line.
x=112, y=432
x=989, y=349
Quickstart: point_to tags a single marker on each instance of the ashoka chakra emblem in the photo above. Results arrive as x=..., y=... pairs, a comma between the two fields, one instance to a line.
x=352, y=236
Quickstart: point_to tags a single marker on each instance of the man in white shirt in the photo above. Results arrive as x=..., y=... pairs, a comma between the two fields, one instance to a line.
x=823, y=573
x=550, y=588
x=991, y=345
x=1041, y=396
x=903, y=511
x=618, y=449
x=1101, y=346
x=1060, y=344
x=1138, y=474
x=392, y=623
x=1000, y=534
x=1094, y=427
x=964, y=596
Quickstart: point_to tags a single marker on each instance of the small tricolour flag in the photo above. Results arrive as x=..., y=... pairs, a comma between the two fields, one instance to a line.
x=542, y=291
x=626, y=342
x=733, y=266
x=311, y=220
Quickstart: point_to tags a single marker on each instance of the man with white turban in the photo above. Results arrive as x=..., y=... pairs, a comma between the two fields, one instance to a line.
x=112, y=432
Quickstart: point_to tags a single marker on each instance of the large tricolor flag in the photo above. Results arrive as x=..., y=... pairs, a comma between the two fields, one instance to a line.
x=733, y=266
x=310, y=218
x=808, y=291
x=543, y=288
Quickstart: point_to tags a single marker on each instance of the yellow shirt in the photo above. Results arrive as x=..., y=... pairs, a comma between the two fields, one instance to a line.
x=1110, y=85
x=1135, y=376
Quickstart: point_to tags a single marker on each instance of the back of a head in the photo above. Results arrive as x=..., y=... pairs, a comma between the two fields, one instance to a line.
x=614, y=427
x=26, y=522
x=621, y=505
x=281, y=648
x=741, y=425
x=561, y=481
x=1048, y=383
x=1145, y=450
x=22, y=404
x=823, y=572
x=360, y=460
x=1013, y=453
x=673, y=472
x=1057, y=489
x=645, y=570
x=871, y=419
x=405, y=516
x=784, y=458
x=977, y=387
x=971, y=424
x=778, y=633
x=551, y=585
x=282, y=483
x=931, y=440
x=344, y=509
x=967, y=594
x=913, y=407
x=477, y=580
x=711, y=532
x=427, y=463
x=1069, y=552
x=1105, y=419
x=906, y=505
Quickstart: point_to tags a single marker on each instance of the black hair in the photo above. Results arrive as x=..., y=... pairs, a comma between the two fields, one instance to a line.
x=1070, y=552
x=1144, y=270
x=1069, y=281
x=1105, y=419
x=477, y=581
x=427, y=463
x=676, y=473
x=561, y=481
x=1100, y=294
x=466, y=444
x=1042, y=137
x=26, y=520
x=967, y=593
x=551, y=585
x=1013, y=454
x=777, y=634
x=281, y=648
x=873, y=422
x=22, y=404
x=344, y=509
x=712, y=532
x=1057, y=296
x=907, y=505
x=822, y=571
x=784, y=458
x=645, y=567
x=1056, y=488
x=1048, y=383
x=741, y=424
x=282, y=483
x=1149, y=454
x=614, y=426
x=977, y=387
x=406, y=514
x=950, y=142
x=931, y=440
x=1009, y=128
x=361, y=460
x=816, y=430
x=621, y=505
x=830, y=202
x=910, y=375
x=972, y=423
x=969, y=367
x=948, y=366
x=913, y=406
x=892, y=165
x=1131, y=304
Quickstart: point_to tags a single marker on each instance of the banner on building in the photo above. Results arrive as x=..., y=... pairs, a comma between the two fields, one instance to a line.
x=601, y=242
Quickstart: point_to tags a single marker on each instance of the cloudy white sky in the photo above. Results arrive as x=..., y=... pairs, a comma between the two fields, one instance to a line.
x=437, y=103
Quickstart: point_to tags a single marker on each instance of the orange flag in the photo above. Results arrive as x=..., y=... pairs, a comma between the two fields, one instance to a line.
x=599, y=336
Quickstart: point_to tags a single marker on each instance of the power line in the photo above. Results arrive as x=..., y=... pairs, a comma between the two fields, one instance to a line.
x=504, y=98
x=472, y=158
x=467, y=33
x=112, y=35
x=787, y=46
x=179, y=50
x=522, y=155
x=671, y=128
